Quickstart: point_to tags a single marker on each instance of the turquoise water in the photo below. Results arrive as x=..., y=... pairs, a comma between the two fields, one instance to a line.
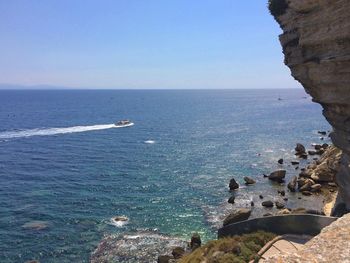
x=168, y=173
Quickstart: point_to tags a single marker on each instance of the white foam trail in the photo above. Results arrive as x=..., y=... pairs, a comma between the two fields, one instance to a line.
x=149, y=142
x=54, y=131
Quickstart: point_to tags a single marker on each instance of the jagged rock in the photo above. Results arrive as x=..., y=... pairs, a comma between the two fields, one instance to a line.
x=164, y=259
x=281, y=192
x=280, y=161
x=299, y=149
x=324, y=169
x=332, y=184
x=233, y=185
x=292, y=185
x=249, y=180
x=325, y=146
x=196, y=241
x=278, y=176
x=316, y=187
x=279, y=205
x=312, y=152
x=306, y=185
x=304, y=174
x=322, y=132
x=316, y=46
x=231, y=200
x=178, y=252
x=237, y=216
x=303, y=155
x=317, y=147
x=267, y=203
x=284, y=211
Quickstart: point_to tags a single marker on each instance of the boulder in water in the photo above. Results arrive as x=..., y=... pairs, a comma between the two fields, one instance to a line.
x=237, y=216
x=233, y=185
x=267, y=203
x=249, y=180
x=278, y=176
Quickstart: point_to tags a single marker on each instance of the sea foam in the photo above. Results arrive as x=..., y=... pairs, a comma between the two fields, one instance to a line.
x=55, y=131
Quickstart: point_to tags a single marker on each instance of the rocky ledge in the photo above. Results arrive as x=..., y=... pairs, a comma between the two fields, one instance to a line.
x=331, y=245
x=316, y=45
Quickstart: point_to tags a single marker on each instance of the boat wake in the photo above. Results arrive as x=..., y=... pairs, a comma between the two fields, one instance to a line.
x=55, y=131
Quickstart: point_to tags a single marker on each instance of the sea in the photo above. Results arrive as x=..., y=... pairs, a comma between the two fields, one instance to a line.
x=66, y=170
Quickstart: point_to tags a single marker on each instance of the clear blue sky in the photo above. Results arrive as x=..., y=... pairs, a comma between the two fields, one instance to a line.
x=141, y=44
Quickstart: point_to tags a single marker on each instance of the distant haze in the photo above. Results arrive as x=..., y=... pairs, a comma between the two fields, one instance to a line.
x=154, y=44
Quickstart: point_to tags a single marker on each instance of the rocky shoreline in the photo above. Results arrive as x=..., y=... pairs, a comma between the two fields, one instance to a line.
x=315, y=182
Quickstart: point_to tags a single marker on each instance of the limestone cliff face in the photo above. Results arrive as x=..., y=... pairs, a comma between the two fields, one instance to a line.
x=316, y=45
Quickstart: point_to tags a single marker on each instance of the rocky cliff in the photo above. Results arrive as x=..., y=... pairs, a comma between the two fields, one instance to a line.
x=316, y=45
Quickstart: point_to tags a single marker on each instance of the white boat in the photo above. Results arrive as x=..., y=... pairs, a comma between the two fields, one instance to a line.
x=124, y=123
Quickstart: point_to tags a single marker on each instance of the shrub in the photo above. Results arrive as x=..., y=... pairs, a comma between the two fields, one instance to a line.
x=237, y=249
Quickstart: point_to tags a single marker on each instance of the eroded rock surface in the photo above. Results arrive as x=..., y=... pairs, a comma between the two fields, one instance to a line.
x=334, y=238
x=316, y=45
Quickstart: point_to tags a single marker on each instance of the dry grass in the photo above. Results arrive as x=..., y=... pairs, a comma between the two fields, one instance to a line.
x=235, y=249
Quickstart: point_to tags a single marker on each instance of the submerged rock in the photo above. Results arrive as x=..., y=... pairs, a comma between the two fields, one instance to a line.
x=148, y=246
x=249, y=180
x=36, y=225
x=237, y=216
x=267, y=203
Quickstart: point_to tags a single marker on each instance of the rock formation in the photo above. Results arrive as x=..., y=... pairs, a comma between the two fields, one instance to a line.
x=316, y=45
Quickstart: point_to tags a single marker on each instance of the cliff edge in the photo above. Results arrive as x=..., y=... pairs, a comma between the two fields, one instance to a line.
x=316, y=46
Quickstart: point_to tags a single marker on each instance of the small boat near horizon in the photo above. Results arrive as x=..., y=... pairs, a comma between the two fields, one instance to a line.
x=124, y=123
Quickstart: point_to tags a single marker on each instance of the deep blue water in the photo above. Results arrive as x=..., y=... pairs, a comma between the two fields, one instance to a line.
x=73, y=183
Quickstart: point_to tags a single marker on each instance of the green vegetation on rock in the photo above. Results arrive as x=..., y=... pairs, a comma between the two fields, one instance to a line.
x=235, y=249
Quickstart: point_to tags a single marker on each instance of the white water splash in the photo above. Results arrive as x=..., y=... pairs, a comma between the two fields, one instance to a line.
x=55, y=131
x=149, y=142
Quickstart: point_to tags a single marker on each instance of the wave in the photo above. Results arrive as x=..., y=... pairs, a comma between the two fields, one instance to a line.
x=149, y=142
x=55, y=131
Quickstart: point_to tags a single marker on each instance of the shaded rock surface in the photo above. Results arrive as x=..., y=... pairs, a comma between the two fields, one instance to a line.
x=237, y=216
x=316, y=46
x=233, y=185
x=278, y=175
x=249, y=180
